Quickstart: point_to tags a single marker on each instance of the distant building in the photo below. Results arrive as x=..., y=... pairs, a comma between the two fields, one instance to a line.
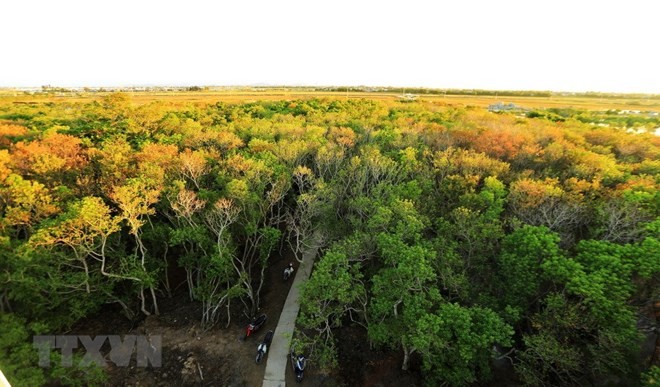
x=500, y=107
x=408, y=97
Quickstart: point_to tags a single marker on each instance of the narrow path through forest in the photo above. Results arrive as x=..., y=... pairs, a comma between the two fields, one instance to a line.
x=278, y=354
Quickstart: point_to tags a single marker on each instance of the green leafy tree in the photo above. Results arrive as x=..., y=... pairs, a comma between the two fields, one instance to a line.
x=455, y=343
x=335, y=290
x=520, y=264
x=402, y=293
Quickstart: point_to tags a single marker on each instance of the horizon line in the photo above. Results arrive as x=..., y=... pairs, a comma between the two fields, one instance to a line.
x=274, y=85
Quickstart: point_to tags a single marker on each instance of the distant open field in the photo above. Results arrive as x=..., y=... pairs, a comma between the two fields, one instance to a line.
x=247, y=95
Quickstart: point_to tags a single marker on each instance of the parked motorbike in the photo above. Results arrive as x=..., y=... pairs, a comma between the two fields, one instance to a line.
x=262, y=348
x=288, y=271
x=298, y=363
x=254, y=325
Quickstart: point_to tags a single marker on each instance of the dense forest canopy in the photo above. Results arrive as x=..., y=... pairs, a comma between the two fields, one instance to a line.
x=455, y=235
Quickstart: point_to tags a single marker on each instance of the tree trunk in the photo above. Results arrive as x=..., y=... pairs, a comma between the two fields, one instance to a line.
x=407, y=351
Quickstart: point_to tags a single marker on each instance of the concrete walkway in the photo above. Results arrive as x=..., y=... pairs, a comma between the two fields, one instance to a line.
x=278, y=353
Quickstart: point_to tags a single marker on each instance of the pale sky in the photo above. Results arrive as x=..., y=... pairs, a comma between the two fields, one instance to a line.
x=562, y=45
